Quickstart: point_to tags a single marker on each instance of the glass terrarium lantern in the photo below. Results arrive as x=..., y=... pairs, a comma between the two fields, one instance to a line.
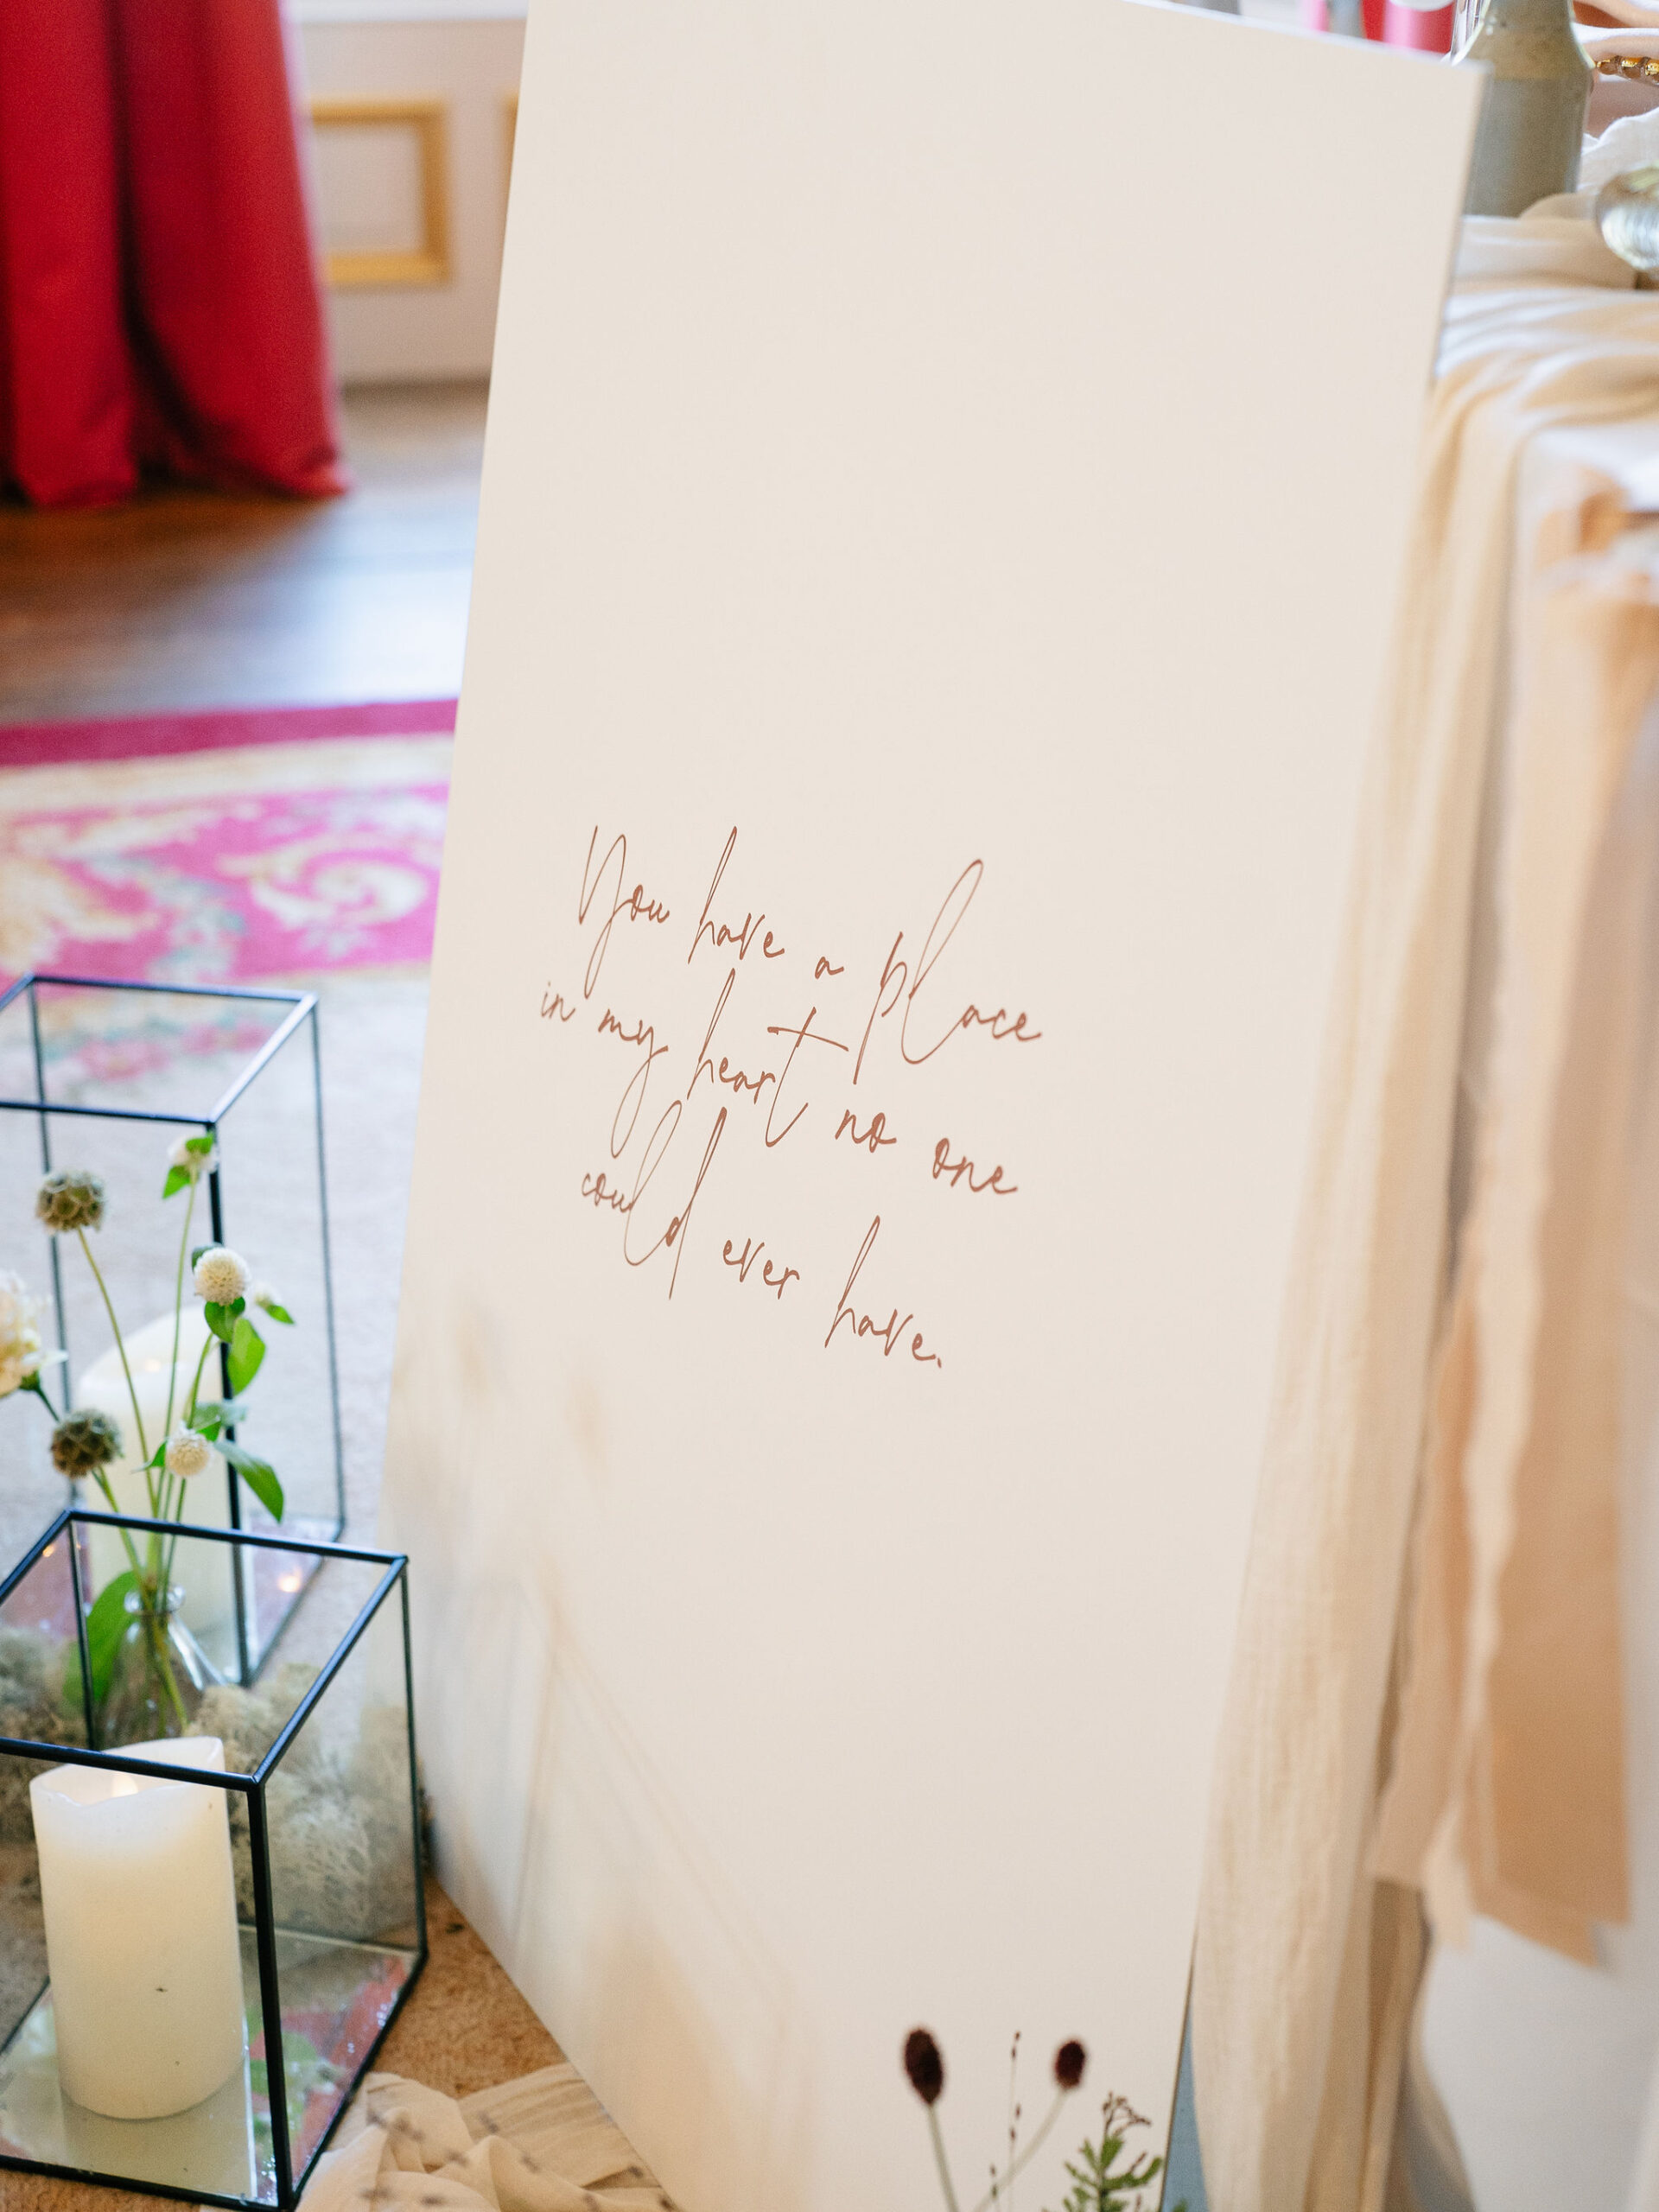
x=203, y=1941
x=108, y=1076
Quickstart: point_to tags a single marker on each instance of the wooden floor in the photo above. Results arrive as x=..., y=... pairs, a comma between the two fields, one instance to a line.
x=191, y=599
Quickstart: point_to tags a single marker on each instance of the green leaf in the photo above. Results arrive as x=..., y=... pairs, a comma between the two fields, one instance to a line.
x=105, y=1625
x=209, y=1418
x=247, y=1351
x=196, y=1253
x=200, y=1146
x=221, y=1319
x=279, y=1314
x=70, y=1695
x=258, y=1474
x=158, y=1454
x=303, y=2065
x=177, y=1177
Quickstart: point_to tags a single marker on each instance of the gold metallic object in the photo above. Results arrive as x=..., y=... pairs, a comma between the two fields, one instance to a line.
x=428, y=263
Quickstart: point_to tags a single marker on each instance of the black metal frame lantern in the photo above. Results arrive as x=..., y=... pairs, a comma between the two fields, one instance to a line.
x=105, y=1071
x=329, y=1937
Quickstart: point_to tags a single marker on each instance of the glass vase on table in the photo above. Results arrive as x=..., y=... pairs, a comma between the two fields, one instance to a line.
x=1531, y=127
x=157, y=1673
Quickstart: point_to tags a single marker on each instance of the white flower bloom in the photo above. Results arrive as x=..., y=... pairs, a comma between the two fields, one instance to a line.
x=194, y=1164
x=221, y=1275
x=20, y=1339
x=187, y=1454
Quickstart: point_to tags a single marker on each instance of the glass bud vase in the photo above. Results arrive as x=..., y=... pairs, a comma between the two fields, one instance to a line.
x=158, y=1674
x=1532, y=122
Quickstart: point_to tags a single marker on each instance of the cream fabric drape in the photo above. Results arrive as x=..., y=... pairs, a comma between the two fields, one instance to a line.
x=544, y=2144
x=1482, y=1686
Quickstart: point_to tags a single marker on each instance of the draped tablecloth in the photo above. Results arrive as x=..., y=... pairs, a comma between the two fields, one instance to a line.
x=544, y=2144
x=1425, y=1738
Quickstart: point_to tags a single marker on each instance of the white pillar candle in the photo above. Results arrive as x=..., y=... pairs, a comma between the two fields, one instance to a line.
x=208, y=1598
x=140, y=1937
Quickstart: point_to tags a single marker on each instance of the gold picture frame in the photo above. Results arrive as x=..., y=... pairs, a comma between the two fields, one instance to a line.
x=428, y=263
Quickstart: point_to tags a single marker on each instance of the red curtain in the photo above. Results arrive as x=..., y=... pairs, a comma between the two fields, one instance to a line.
x=159, y=308
x=1417, y=23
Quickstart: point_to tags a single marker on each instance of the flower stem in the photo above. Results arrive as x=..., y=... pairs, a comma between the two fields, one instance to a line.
x=939, y=2153
x=1014, y=2119
x=33, y=1382
x=103, y=1482
x=174, y=1509
x=138, y=1419
x=1026, y=2157
x=155, y=1618
x=178, y=1307
x=196, y=1384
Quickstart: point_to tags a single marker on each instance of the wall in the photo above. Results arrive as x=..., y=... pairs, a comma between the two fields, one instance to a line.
x=464, y=60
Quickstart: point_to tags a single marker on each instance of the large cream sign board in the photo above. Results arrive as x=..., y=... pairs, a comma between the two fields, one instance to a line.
x=947, y=471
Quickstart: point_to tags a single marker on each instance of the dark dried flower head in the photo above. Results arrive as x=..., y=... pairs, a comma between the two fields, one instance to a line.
x=1069, y=2062
x=924, y=2065
x=73, y=1198
x=84, y=1441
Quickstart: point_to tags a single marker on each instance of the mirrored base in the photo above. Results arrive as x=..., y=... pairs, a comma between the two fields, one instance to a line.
x=336, y=2000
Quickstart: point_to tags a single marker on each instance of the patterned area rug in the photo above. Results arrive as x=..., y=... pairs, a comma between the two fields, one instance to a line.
x=239, y=848
x=301, y=848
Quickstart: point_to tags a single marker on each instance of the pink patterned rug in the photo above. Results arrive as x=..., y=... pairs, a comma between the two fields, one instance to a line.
x=227, y=848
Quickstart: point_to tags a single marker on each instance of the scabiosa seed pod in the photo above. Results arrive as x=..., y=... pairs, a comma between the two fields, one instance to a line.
x=1069, y=2062
x=71, y=1199
x=187, y=1454
x=82, y=1442
x=924, y=2065
x=221, y=1275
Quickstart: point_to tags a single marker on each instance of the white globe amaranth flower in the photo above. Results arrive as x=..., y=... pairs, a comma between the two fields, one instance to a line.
x=221, y=1275
x=194, y=1164
x=189, y=1453
x=20, y=1336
